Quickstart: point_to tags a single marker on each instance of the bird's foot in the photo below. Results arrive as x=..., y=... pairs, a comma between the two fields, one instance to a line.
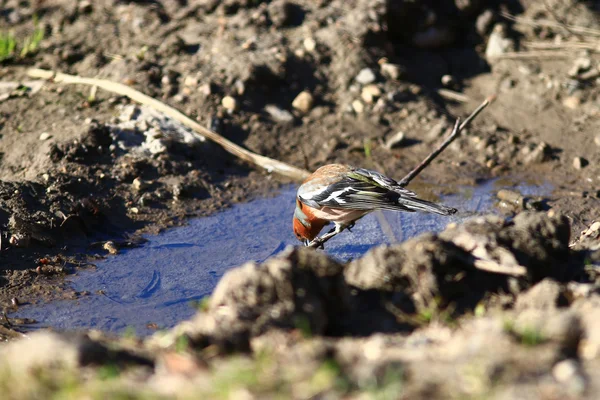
x=317, y=243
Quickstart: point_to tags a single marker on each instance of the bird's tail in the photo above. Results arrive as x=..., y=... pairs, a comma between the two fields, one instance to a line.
x=415, y=204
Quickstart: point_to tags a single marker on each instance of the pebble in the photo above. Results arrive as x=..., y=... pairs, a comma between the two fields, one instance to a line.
x=365, y=76
x=309, y=44
x=111, y=247
x=139, y=184
x=484, y=21
x=358, y=106
x=370, y=93
x=538, y=155
x=395, y=140
x=205, y=89
x=279, y=114
x=564, y=370
x=571, y=102
x=579, y=162
x=190, y=81
x=45, y=136
x=499, y=43
x=581, y=64
x=448, y=80
x=391, y=71
x=597, y=140
x=303, y=102
x=230, y=103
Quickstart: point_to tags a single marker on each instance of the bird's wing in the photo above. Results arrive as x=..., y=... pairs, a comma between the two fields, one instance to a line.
x=358, y=189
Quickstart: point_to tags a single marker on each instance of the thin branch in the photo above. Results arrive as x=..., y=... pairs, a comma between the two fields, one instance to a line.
x=118, y=88
x=458, y=127
x=518, y=55
x=552, y=24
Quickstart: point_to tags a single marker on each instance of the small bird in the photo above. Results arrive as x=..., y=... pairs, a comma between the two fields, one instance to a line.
x=343, y=194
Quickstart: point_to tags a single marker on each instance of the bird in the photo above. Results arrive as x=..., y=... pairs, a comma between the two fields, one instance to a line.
x=342, y=194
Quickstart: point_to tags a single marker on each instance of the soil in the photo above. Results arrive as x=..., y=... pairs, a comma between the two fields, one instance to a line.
x=80, y=168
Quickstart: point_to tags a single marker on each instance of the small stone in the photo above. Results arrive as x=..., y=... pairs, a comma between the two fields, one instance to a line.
x=309, y=44
x=205, y=89
x=484, y=22
x=139, y=184
x=499, y=42
x=14, y=301
x=581, y=64
x=358, y=106
x=395, y=140
x=572, y=102
x=45, y=136
x=538, y=155
x=230, y=103
x=564, y=370
x=240, y=87
x=365, y=76
x=370, y=93
x=597, y=140
x=190, y=81
x=391, y=71
x=303, y=102
x=448, y=80
x=111, y=247
x=85, y=7
x=579, y=162
x=279, y=114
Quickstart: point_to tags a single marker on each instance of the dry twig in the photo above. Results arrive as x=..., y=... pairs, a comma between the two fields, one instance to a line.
x=238, y=151
x=458, y=127
x=552, y=24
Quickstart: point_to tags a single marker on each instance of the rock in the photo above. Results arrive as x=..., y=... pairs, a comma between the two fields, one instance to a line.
x=300, y=285
x=538, y=155
x=139, y=184
x=571, y=102
x=309, y=44
x=484, y=22
x=46, y=350
x=498, y=43
x=45, y=136
x=279, y=114
x=358, y=106
x=230, y=103
x=395, y=140
x=365, y=76
x=190, y=81
x=579, y=162
x=303, y=102
x=369, y=93
x=597, y=140
x=581, y=64
x=391, y=71
x=448, y=80
x=546, y=295
x=205, y=89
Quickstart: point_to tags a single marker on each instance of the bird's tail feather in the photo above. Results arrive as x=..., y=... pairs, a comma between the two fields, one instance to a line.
x=415, y=204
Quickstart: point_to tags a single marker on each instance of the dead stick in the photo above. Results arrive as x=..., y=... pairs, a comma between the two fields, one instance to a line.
x=458, y=127
x=265, y=162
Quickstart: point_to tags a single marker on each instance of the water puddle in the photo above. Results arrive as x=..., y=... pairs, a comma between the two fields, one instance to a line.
x=157, y=282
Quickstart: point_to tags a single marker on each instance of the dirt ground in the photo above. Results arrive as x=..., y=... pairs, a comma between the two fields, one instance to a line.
x=79, y=168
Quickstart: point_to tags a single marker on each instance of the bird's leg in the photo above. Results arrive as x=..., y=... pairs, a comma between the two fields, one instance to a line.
x=318, y=242
x=350, y=226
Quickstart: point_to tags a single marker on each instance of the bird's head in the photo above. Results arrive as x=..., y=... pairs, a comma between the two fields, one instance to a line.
x=306, y=226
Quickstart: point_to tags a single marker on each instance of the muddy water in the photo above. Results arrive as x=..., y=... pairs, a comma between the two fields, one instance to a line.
x=158, y=282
